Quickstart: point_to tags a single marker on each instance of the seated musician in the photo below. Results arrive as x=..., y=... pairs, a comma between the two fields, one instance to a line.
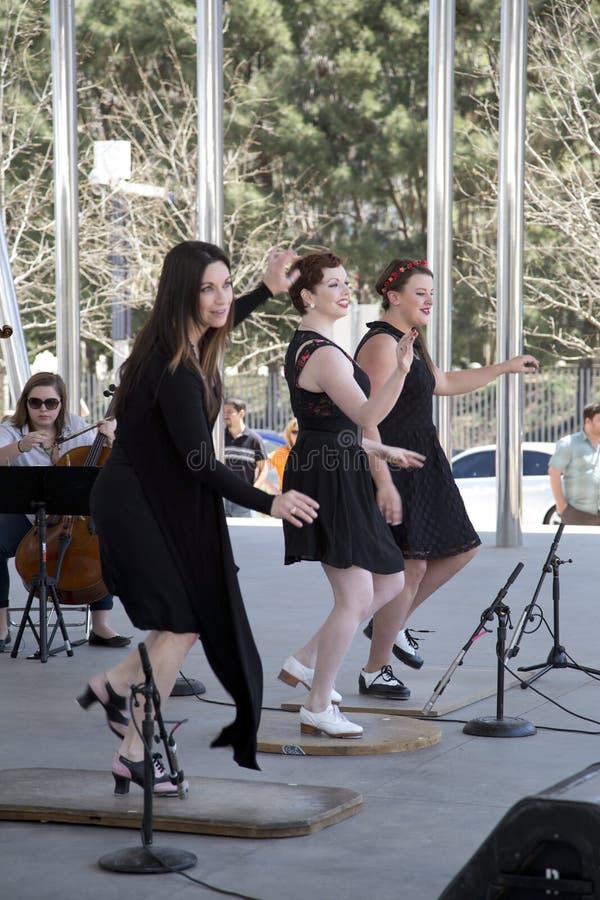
x=28, y=438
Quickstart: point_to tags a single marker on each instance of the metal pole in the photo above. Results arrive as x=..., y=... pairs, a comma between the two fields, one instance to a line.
x=439, y=202
x=209, y=226
x=209, y=32
x=14, y=349
x=513, y=75
x=64, y=117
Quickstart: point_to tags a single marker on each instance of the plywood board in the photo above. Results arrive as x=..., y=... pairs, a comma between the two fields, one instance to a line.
x=280, y=733
x=468, y=685
x=219, y=806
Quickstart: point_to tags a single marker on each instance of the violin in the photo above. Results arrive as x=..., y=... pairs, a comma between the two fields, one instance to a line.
x=80, y=576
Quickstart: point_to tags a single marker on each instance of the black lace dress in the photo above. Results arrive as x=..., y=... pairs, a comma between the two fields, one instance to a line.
x=436, y=524
x=328, y=463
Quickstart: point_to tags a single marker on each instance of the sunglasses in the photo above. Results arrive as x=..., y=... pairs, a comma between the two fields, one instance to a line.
x=37, y=402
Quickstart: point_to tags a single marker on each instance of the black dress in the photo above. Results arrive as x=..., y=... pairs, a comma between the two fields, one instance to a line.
x=165, y=547
x=435, y=522
x=328, y=463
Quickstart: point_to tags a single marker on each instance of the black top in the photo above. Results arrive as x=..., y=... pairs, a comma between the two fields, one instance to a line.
x=413, y=409
x=327, y=462
x=243, y=452
x=435, y=523
x=314, y=409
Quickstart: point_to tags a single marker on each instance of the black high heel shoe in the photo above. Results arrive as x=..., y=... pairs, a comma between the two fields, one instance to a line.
x=124, y=772
x=113, y=707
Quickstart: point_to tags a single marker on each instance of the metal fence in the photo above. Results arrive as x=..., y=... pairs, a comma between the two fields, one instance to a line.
x=553, y=401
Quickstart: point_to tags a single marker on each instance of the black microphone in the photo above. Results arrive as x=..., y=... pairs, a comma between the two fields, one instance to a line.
x=146, y=666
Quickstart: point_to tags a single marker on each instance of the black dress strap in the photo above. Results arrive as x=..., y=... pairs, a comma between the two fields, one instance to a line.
x=308, y=346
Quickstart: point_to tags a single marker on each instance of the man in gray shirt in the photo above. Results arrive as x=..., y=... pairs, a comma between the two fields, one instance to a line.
x=574, y=471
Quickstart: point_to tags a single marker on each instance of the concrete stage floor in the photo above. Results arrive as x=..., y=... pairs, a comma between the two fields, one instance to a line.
x=424, y=812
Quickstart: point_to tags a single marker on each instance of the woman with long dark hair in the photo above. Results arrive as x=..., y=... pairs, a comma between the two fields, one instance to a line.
x=158, y=505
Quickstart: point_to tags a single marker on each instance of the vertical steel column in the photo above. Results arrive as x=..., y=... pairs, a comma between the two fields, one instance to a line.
x=64, y=117
x=14, y=348
x=209, y=36
x=439, y=194
x=511, y=167
x=209, y=226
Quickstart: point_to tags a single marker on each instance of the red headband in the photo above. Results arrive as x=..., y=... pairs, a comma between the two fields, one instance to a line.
x=394, y=275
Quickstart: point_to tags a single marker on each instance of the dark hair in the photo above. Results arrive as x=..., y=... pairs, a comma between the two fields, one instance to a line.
x=397, y=274
x=41, y=379
x=590, y=410
x=311, y=274
x=175, y=307
x=395, y=277
x=238, y=404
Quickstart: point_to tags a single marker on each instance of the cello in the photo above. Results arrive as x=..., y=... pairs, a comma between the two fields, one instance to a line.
x=72, y=542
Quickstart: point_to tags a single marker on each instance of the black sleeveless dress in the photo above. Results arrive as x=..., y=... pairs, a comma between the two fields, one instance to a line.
x=328, y=463
x=435, y=522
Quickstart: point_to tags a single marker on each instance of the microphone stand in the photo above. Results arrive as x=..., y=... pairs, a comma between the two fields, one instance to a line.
x=147, y=859
x=487, y=615
x=498, y=726
x=526, y=615
x=557, y=657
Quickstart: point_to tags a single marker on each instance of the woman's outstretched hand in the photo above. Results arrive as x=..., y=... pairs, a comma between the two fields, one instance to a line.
x=522, y=364
x=294, y=507
x=401, y=458
x=404, y=350
x=276, y=276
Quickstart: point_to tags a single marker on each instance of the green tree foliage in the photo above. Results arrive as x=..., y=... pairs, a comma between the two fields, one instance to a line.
x=325, y=121
x=561, y=294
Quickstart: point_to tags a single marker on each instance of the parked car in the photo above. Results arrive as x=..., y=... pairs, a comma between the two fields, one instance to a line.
x=475, y=474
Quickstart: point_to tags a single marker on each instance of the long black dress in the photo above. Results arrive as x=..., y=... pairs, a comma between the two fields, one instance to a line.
x=165, y=547
x=435, y=522
x=328, y=463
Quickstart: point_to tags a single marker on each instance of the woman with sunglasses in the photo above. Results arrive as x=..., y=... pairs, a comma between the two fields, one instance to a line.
x=28, y=438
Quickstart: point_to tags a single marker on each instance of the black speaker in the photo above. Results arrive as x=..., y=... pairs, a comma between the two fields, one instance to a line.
x=547, y=845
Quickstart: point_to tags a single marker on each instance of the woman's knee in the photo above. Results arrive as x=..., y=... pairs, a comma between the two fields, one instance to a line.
x=357, y=605
x=414, y=573
x=181, y=641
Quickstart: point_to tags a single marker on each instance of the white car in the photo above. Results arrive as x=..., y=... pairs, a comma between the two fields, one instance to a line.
x=475, y=473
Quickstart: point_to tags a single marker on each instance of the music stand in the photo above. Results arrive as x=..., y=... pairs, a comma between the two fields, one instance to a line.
x=43, y=490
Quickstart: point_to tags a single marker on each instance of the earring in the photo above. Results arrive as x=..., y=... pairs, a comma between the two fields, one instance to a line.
x=310, y=305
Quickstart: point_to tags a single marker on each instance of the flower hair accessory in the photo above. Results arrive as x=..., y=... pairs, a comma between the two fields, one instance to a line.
x=394, y=275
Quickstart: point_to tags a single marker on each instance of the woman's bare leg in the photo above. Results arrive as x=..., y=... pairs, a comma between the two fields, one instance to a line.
x=389, y=608
x=353, y=596
x=167, y=651
x=438, y=572
x=422, y=579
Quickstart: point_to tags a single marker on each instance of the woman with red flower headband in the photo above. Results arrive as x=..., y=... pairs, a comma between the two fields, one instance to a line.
x=435, y=535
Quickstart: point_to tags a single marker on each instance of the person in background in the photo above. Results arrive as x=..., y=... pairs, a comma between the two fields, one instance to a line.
x=245, y=452
x=28, y=438
x=279, y=456
x=574, y=471
x=435, y=535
